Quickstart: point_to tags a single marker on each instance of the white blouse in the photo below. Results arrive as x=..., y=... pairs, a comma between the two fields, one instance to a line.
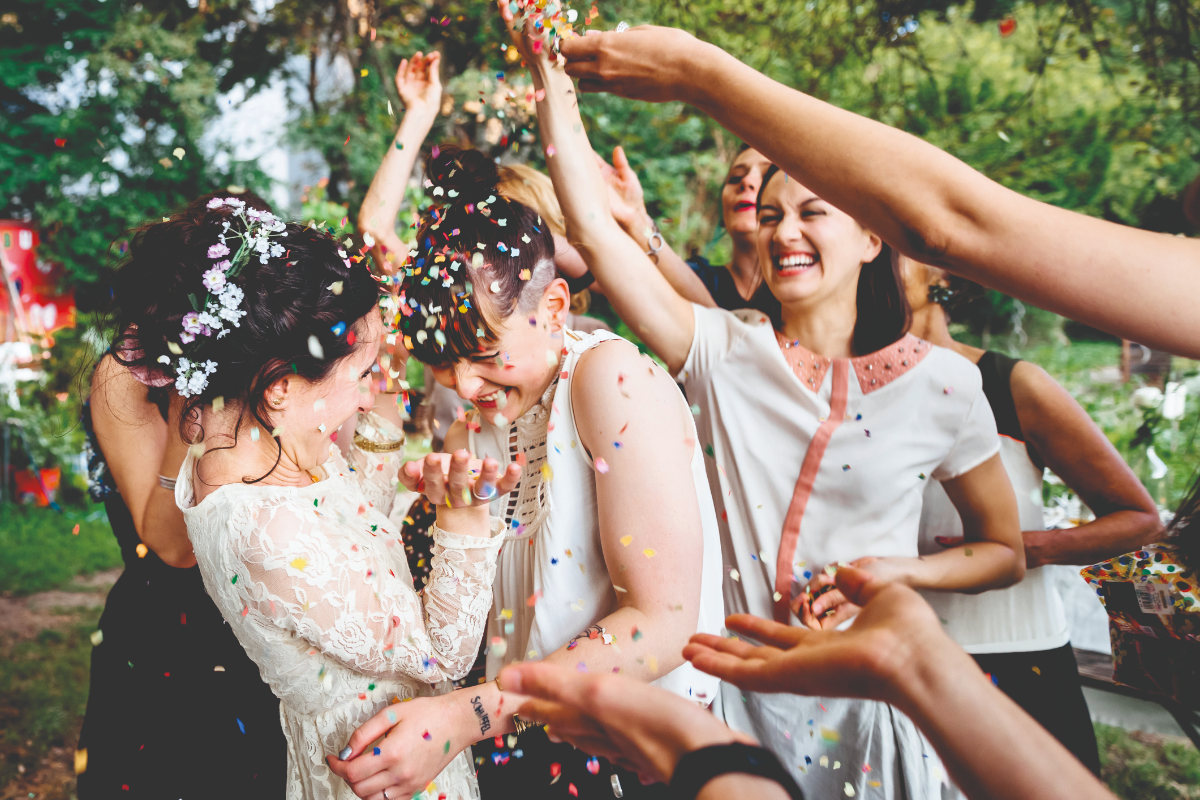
x=1027, y=617
x=909, y=414
x=552, y=582
x=315, y=584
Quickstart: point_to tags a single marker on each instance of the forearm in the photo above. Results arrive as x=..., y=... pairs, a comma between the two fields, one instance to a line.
x=936, y=209
x=1010, y=757
x=1106, y=537
x=970, y=568
x=682, y=278
x=640, y=295
x=657, y=650
x=386, y=194
x=164, y=531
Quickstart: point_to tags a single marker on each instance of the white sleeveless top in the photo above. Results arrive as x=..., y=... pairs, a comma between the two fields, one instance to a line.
x=1025, y=617
x=554, y=531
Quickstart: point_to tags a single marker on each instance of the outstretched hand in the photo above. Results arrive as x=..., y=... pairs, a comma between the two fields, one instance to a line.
x=893, y=624
x=640, y=727
x=418, y=82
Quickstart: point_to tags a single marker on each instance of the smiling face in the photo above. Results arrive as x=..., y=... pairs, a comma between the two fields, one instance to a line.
x=510, y=373
x=739, y=196
x=808, y=250
x=349, y=389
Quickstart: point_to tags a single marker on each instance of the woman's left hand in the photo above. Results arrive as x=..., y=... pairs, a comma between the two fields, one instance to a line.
x=832, y=608
x=447, y=479
x=420, y=739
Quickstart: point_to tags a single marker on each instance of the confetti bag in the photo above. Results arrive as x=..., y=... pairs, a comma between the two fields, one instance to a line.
x=1154, y=620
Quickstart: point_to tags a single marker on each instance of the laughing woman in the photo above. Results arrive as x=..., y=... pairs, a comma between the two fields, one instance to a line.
x=824, y=420
x=612, y=557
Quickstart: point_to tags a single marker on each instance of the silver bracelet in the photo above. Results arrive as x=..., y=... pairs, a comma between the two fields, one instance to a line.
x=166, y=483
x=652, y=234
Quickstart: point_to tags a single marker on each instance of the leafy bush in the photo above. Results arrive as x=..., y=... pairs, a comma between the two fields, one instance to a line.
x=1142, y=766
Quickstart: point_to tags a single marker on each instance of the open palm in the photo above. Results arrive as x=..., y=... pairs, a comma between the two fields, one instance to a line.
x=418, y=82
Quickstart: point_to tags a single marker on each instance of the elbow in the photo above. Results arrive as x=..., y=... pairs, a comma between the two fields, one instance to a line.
x=1146, y=529
x=1016, y=570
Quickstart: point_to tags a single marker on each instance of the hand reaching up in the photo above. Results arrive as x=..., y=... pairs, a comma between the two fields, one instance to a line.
x=418, y=82
x=626, y=199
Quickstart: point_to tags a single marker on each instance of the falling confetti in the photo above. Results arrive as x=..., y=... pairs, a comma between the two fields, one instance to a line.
x=649, y=552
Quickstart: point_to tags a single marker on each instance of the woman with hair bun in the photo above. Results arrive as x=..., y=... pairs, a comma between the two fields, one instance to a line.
x=612, y=559
x=270, y=333
x=161, y=637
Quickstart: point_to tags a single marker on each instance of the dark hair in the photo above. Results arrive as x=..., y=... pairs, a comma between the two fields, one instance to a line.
x=477, y=249
x=883, y=316
x=287, y=300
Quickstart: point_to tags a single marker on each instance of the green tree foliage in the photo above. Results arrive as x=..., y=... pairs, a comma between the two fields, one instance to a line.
x=98, y=98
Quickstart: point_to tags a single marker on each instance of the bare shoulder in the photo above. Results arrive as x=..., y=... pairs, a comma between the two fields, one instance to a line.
x=118, y=398
x=614, y=379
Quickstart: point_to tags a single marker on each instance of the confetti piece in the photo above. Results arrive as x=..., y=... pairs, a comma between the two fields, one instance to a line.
x=299, y=563
x=426, y=736
x=314, y=347
x=81, y=761
x=75, y=530
x=336, y=287
x=1037, y=670
x=649, y=552
x=533, y=598
x=849, y=790
x=593, y=765
x=97, y=637
x=733, y=573
x=601, y=467
x=968, y=552
x=625, y=540
x=636, y=634
x=572, y=790
x=142, y=550
x=179, y=152
x=830, y=735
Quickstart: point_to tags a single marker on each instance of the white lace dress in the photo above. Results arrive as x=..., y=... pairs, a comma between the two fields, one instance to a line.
x=315, y=584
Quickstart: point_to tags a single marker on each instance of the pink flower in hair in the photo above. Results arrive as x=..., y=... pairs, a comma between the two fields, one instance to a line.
x=217, y=250
x=191, y=323
x=214, y=279
x=187, y=338
x=223, y=265
x=216, y=202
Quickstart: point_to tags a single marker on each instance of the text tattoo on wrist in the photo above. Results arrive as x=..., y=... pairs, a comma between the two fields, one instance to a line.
x=485, y=724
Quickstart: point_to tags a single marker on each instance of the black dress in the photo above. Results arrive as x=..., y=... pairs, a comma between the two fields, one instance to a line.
x=176, y=709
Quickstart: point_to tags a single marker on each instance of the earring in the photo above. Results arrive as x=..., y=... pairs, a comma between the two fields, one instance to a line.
x=278, y=401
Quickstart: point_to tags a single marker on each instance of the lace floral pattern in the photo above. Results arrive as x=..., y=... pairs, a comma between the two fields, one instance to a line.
x=316, y=586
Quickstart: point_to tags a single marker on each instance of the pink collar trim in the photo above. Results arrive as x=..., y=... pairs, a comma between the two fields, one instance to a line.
x=874, y=370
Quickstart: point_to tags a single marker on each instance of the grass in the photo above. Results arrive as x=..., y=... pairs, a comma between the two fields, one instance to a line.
x=43, y=696
x=40, y=551
x=1138, y=766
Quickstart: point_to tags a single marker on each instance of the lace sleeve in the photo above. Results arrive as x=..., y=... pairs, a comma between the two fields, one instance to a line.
x=376, y=472
x=306, y=574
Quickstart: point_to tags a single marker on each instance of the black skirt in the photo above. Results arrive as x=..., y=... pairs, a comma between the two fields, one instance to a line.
x=176, y=709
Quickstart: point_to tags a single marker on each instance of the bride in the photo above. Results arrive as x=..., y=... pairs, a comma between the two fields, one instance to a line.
x=272, y=333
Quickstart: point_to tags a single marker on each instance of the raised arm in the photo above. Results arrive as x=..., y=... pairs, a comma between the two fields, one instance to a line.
x=421, y=90
x=138, y=446
x=627, y=202
x=921, y=200
x=640, y=294
x=1076, y=450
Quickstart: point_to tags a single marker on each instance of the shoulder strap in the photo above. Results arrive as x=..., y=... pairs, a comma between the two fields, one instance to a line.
x=996, y=371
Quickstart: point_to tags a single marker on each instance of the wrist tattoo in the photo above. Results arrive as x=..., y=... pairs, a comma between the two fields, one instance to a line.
x=485, y=724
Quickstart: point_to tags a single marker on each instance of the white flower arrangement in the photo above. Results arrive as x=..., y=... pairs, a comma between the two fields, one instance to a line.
x=222, y=305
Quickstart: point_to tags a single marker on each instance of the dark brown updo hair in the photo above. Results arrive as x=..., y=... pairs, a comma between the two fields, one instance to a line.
x=884, y=315
x=287, y=300
x=480, y=258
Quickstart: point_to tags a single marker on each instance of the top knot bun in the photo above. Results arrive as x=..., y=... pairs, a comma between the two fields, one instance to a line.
x=460, y=176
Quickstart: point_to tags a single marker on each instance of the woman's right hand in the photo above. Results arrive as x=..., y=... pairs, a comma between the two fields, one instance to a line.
x=450, y=481
x=418, y=82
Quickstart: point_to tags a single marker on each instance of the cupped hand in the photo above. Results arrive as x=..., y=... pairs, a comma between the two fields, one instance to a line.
x=457, y=480
x=894, y=627
x=418, y=82
x=643, y=63
x=407, y=760
x=637, y=726
x=626, y=199
x=822, y=605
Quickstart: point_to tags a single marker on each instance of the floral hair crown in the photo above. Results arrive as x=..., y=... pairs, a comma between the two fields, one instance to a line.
x=223, y=299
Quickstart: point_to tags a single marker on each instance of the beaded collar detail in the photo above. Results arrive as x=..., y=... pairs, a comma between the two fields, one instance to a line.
x=874, y=370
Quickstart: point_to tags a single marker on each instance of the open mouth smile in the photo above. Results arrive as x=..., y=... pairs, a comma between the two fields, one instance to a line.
x=795, y=263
